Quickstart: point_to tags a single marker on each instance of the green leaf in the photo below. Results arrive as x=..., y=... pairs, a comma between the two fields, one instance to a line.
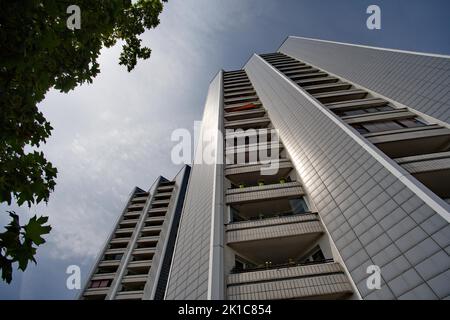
x=35, y=229
x=6, y=267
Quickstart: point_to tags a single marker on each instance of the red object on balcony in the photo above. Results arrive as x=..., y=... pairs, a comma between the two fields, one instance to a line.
x=244, y=107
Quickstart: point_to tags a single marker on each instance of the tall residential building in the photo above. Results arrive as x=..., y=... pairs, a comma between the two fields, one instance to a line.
x=135, y=261
x=363, y=179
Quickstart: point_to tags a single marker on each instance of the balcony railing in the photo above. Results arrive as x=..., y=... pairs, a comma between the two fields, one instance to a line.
x=130, y=295
x=271, y=191
x=305, y=227
x=269, y=266
x=321, y=280
x=274, y=215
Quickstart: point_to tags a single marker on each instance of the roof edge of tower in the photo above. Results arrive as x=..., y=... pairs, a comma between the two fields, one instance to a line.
x=436, y=55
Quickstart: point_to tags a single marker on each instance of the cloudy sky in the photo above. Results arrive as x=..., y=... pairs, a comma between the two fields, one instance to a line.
x=115, y=133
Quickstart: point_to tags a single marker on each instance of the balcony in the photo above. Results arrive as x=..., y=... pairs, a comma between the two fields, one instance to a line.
x=395, y=114
x=238, y=89
x=308, y=75
x=233, y=73
x=115, y=251
x=314, y=281
x=228, y=78
x=356, y=104
x=147, y=242
x=247, y=99
x=299, y=71
x=130, y=295
x=250, y=173
x=242, y=93
x=103, y=276
x=141, y=199
x=255, y=152
x=328, y=87
x=286, y=63
x=151, y=231
x=95, y=293
x=235, y=78
x=157, y=212
x=131, y=215
x=316, y=81
x=163, y=188
x=124, y=232
x=160, y=203
x=255, y=123
x=128, y=223
x=240, y=106
x=133, y=283
x=120, y=241
x=294, y=67
x=285, y=66
x=109, y=263
x=433, y=170
x=340, y=96
x=134, y=279
x=154, y=221
x=258, y=193
x=293, y=70
x=279, y=59
x=107, y=267
x=143, y=254
x=236, y=83
x=236, y=138
x=274, y=239
x=241, y=103
x=163, y=195
x=411, y=141
x=245, y=114
x=140, y=267
x=135, y=208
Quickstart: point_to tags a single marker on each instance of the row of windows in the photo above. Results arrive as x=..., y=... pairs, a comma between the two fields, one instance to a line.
x=289, y=207
x=357, y=112
x=241, y=265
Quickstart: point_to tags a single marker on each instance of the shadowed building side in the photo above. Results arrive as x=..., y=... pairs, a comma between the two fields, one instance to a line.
x=136, y=259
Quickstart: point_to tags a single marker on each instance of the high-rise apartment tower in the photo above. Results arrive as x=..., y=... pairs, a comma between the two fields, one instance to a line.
x=363, y=179
x=135, y=261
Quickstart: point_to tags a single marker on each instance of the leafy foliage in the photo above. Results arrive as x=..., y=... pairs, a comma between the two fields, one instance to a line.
x=38, y=52
x=17, y=242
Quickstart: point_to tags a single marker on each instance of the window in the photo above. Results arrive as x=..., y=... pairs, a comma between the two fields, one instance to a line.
x=111, y=257
x=379, y=126
x=353, y=112
x=99, y=284
x=235, y=217
x=315, y=255
x=411, y=123
x=318, y=256
x=298, y=205
x=360, y=128
x=241, y=264
x=385, y=108
x=361, y=111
